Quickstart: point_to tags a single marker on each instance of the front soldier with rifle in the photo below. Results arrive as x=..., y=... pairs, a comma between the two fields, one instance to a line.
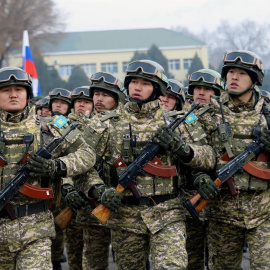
x=238, y=129
x=26, y=224
x=139, y=150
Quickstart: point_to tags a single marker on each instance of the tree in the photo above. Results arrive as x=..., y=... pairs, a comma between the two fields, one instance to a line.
x=36, y=16
x=139, y=56
x=196, y=64
x=77, y=78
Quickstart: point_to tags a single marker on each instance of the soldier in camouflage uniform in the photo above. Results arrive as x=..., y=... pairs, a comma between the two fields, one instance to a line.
x=81, y=108
x=202, y=84
x=106, y=91
x=59, y=104
x=232, y=218
x=155, y=222
x=174, y=98
x=45, y=110
x=25, y=243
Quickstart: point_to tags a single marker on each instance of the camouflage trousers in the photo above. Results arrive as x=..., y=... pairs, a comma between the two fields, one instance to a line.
x=225, y=243
x=97, y=240
x=167, y=248
x=74, y=244
x=196, y=235
x=34, y=256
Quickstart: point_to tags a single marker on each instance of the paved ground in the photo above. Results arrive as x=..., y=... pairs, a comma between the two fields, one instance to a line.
x=245, y=263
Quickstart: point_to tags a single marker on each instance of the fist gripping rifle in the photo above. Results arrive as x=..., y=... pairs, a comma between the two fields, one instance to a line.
x=18, y=182
x=136, y=167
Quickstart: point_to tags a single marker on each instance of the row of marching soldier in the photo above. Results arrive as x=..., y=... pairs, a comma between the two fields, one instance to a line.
x=141, y=166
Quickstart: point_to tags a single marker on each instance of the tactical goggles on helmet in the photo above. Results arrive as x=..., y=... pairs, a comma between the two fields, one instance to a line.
x=173, y=87
x=80, y=92
x=107, y=78
x=146, y=68
x=60, y=92
x=244, y=57
x=19, y=75
x=206, y=77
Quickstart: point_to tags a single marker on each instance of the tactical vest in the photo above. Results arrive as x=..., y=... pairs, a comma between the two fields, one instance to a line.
x=242, y=127
x=14, y=148
x=127, y=140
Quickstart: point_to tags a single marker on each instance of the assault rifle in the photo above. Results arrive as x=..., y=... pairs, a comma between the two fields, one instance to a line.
x=136, y=167
x=240, y=162
x=20, y=179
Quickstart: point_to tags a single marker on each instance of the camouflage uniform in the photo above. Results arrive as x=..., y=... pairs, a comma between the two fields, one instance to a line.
x=138, y=228
x=231, y=218
x=25, y=242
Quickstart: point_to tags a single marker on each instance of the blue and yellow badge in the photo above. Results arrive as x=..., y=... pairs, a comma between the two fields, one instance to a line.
x=190, y=118
x=60, y=121
x=164, y=78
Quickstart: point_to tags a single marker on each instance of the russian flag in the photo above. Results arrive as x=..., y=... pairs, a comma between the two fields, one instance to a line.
x=28, y=64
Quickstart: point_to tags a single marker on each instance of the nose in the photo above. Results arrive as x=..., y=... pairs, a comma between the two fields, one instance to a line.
x=138, y=86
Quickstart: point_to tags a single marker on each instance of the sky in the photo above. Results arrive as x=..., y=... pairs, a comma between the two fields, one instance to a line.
x=195, y=15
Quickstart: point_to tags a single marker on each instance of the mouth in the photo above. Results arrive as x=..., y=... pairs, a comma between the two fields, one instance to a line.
x=99, y=105
x=136, y=96
x=234, y=85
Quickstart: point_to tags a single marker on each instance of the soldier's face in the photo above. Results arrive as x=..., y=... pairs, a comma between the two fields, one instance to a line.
x=139, y=88
x=13, y=98
x=238, y=80
x=46, y=112
x=169, y=101
x=202, y=94
x=82, y=106
x=60, y=106
x=103, y=101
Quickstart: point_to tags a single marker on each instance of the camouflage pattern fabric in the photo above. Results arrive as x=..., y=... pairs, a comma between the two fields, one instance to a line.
x=248, y=212
x=97, y=240
x=151, y=223
x=19, y=235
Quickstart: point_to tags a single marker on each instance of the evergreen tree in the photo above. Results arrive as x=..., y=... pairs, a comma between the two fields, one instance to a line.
x=195, y=65
x=139, y=56
x=155, y=54
x=77, y=78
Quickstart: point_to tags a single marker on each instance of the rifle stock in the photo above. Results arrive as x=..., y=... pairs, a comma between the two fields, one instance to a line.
x=64, y=217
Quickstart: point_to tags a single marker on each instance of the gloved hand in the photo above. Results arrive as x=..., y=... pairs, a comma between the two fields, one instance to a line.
x=169, y=140
x=107, y=196
x=265, y=140
x=205, y=185
x=72, y=197
x=41, y=167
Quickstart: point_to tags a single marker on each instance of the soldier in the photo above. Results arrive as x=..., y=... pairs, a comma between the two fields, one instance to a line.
x=155, y=222
x=246, y=116
x=25, y=242
x=202, y=84
x=81, y=108
x=96, y=236
x=38, y=107
x=59, y=104
x=45, y=110
x=173, y=100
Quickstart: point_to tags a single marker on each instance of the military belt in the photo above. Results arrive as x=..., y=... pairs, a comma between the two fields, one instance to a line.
x=150, y=201
x=27, y=209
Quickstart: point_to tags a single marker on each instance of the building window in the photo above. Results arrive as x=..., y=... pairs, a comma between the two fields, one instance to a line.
x=109, y=67
x=65, y=70
x=174, y=64
x=187, y=63
x=89, y=68
x=124, y=66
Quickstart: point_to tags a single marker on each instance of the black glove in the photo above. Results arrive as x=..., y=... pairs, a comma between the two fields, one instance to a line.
x=72, y=197
x=205, y=185
x=169, y=140
x=107, y=196
x=41, y=167
x=265, y=140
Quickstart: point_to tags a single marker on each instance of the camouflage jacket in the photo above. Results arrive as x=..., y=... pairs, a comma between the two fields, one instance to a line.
x=142, y=124
x=251, y=206
x=74, y=152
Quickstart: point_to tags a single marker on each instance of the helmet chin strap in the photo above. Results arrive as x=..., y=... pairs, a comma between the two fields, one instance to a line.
x=237, y=94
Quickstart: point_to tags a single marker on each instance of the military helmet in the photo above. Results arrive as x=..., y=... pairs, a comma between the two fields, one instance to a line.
x=246, y=60
x=109, y=83
x=148, y=70
x=81, y=92
x=45, y=102
x=16, y=76
x=176, y=89
x=208, y=78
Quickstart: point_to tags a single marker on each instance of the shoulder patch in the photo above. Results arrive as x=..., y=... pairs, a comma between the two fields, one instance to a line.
x=60, y=121
x=190, y=118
